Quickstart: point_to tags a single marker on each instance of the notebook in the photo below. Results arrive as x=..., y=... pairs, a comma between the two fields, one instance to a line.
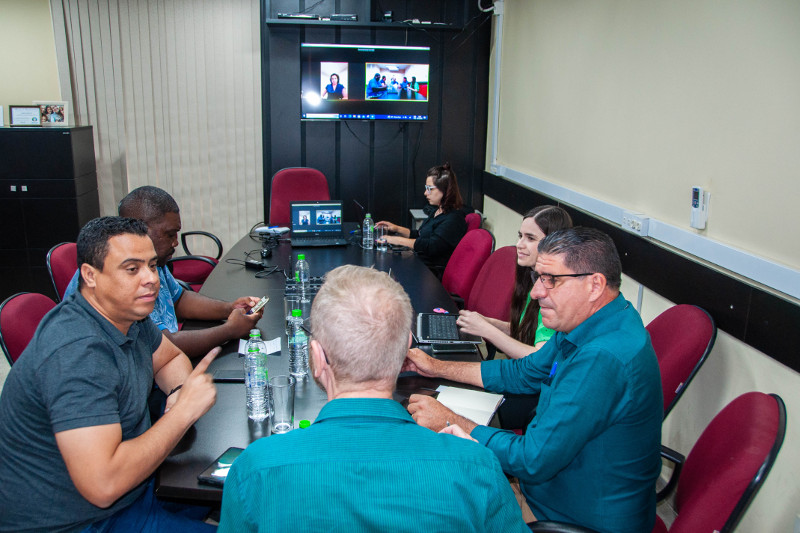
x=317, y=224
x=437, y=328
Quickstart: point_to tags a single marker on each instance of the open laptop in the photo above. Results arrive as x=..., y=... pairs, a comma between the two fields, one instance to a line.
x=437, y=328
x=317, y=224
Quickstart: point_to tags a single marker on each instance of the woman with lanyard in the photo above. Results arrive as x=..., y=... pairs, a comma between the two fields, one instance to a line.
x=525, y=333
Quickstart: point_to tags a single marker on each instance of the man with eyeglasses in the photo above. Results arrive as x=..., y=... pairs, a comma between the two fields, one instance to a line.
x=590, y=456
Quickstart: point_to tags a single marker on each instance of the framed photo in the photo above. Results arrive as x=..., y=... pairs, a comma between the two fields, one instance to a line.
x=24, y=115
x=53, y=112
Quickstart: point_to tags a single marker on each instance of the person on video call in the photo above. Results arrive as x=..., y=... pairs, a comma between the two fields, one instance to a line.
x=334, y=90
x=439, y=235
x=376, y=89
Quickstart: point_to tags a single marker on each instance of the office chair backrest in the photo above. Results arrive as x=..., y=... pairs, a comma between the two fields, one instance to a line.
x=20, y=315
x=494, y=286
x=191, y=269
x=62, y=262
x=297, y=184
x=682, y=338
x=463, y=266
x=729, y=463
x=474, y=221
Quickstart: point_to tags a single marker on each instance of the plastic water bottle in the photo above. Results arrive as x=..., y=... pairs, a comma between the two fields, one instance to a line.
x=368, y=232
x=302, y=275
x=256, y=377
x=298, y=347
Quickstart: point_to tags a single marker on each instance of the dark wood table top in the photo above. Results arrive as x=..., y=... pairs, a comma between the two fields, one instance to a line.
x=226, y=424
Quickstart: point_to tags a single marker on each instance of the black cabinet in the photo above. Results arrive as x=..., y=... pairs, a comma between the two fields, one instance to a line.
x=48, y=191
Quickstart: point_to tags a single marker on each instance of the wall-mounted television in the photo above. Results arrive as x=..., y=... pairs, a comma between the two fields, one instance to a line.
x=364, y=82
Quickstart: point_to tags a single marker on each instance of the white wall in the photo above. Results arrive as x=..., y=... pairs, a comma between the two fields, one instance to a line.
x=633, y=102
x=27, y=54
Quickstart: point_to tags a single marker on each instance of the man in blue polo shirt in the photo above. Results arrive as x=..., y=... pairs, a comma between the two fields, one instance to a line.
x=591, y=454
x=160, y=212
x=364, y=465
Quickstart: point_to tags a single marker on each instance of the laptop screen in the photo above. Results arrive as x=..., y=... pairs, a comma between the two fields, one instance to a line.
x=310, y=218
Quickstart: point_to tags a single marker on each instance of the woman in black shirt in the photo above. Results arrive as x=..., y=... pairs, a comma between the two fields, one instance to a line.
x=438, y=236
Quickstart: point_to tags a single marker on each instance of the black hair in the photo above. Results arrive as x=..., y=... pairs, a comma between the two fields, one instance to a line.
x=147, y=203
x=586, y=250
x=549, y=218
x=92, y=245
x=444, y=179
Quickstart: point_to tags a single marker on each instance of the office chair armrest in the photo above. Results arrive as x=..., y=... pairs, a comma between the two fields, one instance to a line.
x=677, y=460
x=545, y=526
x=205, y=234
x=201, y=258
x=185, y=285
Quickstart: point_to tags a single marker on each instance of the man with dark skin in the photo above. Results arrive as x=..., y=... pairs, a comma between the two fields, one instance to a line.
x=160, y=212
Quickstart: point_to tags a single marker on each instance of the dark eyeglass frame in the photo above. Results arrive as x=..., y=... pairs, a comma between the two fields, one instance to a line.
x=551, y=284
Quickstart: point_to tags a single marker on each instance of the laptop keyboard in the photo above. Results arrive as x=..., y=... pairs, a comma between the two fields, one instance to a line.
x=442, y=327
x=318, y=241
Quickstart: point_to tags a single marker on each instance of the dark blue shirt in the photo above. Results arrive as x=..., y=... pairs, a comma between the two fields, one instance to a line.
x=78, y=371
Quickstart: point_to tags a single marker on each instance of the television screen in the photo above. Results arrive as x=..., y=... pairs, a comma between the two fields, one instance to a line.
x=364, y=82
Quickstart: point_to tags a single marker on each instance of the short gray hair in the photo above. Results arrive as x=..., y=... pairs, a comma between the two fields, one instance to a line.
x=585, y=250
x=362, y=319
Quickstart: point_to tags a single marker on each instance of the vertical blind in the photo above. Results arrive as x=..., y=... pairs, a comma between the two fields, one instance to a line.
x=173, y=91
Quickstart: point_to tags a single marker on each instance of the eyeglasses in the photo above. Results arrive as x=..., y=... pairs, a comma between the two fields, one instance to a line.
x=549, y=280
x=430, y=188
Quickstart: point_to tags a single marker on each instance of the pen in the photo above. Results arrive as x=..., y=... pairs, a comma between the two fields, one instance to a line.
x=553, y=370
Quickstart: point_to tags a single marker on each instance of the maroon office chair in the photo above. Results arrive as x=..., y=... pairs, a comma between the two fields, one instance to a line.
x=296, y=184
x=192, y=269
x=474, y=221
x=727, y=465
x=493, y=288
x=20, y=315
x=464, y=265
x=62, y=262
x=682, y=338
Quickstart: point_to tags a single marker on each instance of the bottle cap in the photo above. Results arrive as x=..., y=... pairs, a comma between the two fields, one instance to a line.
x=300, y=257
x=255, y=332
x=368, y=216
x=304, y=424
x=297, y=312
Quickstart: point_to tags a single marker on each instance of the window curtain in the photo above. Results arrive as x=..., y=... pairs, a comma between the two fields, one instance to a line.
x=173, y=91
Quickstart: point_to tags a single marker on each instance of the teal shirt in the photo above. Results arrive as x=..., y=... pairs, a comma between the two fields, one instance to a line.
x=590, y=456
x=363, y=466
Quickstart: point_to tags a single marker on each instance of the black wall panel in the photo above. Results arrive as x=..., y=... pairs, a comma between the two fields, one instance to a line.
x=382, y=165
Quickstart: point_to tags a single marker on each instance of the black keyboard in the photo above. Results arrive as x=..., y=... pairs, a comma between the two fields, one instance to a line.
x=293, y=287
x=442, y=327
x=318, y=241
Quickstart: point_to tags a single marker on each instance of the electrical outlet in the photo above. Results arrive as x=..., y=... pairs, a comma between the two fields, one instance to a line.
x=637, y=223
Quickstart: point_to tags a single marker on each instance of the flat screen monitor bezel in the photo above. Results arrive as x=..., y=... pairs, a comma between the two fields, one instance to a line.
x=359, y=62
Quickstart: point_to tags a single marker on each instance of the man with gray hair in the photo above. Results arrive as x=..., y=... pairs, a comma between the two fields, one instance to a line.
x=365, y=465
x=590, y=456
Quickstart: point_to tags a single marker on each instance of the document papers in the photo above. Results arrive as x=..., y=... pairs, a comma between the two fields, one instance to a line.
x=476, y=405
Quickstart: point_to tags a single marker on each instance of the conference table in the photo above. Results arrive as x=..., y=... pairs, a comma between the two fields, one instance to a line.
x=226, y=424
